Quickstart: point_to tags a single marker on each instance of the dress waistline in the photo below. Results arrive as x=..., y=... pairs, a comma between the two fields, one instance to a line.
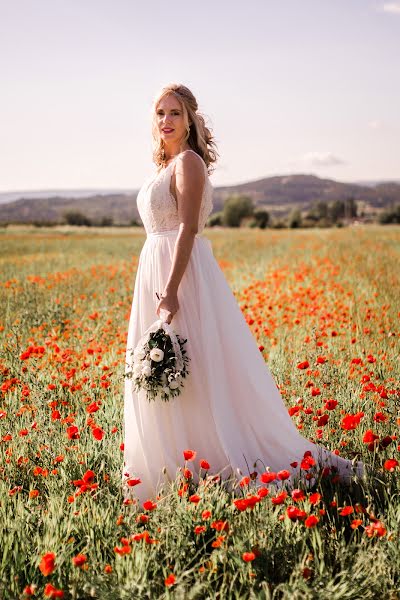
x=168, y=232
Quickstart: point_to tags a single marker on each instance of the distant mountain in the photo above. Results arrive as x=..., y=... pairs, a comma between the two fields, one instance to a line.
x=78, y=193
x=278, y=194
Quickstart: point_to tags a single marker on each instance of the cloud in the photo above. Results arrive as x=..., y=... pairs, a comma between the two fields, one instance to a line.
x=321, y=159
x=392, y=7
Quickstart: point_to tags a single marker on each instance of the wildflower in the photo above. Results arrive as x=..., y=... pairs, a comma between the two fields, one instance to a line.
x=204, y=464
x=47, y=563
x=295, y=513
x=347, y=510
x=350, y=422
x=267, y=477
x=170, y=580
x=132, y=482
x=189, y=454
x=98, y=433
x=375, y=529
x=51, y=592
x=315, y=498
x=303, y=365
x=199, y=529
x=311, y=521
x=390, y=464
x=79, y=560
x=355, y=523
x=280, y=498
x=219, y=541
x=248, y=556
x=298, y=495
x=220, y=525
x=195, y=498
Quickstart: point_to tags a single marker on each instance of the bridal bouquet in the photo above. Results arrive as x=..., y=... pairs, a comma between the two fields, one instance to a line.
x=159, y=362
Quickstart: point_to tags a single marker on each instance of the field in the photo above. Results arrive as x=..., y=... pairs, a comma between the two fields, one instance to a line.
x=324, y=306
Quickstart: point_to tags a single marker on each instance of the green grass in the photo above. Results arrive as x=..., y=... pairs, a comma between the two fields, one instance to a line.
x=330, y=293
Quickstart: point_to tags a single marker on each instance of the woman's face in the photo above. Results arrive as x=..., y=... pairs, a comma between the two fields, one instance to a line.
x=169, y=115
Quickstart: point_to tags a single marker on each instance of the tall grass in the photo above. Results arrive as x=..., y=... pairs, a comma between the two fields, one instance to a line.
x=329, y=298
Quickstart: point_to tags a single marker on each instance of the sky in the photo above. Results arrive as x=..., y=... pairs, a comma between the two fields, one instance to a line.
x=286, y=86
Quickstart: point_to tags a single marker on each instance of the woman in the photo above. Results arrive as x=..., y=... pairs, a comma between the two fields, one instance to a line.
x=230, y=410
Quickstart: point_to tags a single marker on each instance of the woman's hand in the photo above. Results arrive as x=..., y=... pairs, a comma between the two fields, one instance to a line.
x=167, y=302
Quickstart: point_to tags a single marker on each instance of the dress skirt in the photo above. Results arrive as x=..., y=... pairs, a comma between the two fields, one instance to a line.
x=230, y=410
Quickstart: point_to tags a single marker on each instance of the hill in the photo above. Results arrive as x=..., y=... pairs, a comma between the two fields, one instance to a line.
x=278, y=194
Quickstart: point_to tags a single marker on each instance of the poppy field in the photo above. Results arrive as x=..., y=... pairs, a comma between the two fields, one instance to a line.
x=324, y=307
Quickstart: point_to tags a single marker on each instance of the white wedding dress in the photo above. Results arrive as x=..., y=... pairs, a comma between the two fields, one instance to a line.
x=230, y=410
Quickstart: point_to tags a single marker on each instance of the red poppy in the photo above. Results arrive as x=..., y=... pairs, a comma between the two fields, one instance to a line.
x=298, y=495
x=47, y=563
x=204, y=464
x=347, y=510
x=73, y=432
x=170, y=580
x=195, y=498
x=350, y=422
x=268, y=476
x=244, y=481
x=79, y=560
x=315, y=498
x=132, y=482
x=390, y=464
x=98, y=433
x=331, y=404
x=149, y=505
x=280, y=498
x=199, y=529
x=311, y=521
x=282, y=475
x=189, y=454
x=51, y=592
x=248, y=556
x=303, y=365
x=220, y=525
x=295, y=513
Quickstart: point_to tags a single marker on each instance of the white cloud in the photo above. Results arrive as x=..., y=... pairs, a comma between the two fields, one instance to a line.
x=321, y=159
x=392, y=7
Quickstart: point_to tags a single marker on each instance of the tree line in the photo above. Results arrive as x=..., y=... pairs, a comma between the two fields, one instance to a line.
x=239, y=210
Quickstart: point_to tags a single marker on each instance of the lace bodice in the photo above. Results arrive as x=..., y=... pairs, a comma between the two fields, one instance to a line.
x=157, y=206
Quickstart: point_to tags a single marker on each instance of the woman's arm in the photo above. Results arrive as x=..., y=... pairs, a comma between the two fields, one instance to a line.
x=190, y=181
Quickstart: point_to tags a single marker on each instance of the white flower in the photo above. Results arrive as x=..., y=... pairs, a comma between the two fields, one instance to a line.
x=156, y=354
x=139, y=353
x=146, y=363
x=146, y=371
x=166, y=390
x=137, y=369
x=174, y=384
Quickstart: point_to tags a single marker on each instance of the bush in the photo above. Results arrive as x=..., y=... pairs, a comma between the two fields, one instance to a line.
x=215, y=219
x=261, y=218
x=390, y=216
x=235, y=209
x=74, y=217
x=294, y=219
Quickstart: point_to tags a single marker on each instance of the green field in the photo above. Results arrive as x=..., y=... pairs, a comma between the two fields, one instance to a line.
x=327, y=296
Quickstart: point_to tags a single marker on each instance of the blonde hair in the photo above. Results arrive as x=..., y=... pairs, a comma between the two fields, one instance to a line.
x=198, y=136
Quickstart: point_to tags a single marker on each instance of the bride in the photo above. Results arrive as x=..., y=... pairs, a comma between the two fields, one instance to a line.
x=230, y=411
